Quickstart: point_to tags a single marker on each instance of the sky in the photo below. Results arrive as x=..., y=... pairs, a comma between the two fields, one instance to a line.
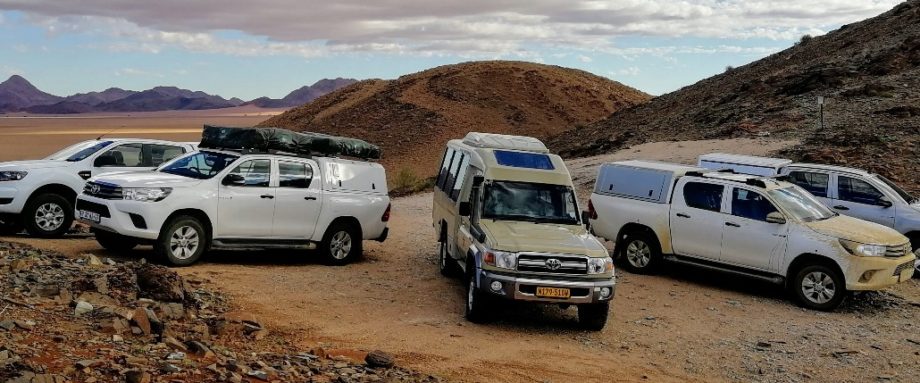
x=249, y=49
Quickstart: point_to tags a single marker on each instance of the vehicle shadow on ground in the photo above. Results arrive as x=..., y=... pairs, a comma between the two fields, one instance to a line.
x=241, y=257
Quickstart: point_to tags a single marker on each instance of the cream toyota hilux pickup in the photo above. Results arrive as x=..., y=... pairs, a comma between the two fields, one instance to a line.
x=758, y=227
x=506, y=218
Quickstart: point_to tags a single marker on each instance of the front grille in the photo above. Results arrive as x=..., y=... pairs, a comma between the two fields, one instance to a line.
x=100, y=209
x=552, y=263
x=102, y=190
x=902, y=267
x=898, y=251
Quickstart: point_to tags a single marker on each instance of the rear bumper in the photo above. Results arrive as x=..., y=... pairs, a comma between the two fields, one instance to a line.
x=524, y=288
x=383, y=237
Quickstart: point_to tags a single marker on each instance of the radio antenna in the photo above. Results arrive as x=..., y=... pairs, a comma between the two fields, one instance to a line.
x=109, y=132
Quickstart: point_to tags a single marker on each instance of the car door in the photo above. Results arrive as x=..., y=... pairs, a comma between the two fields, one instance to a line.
x=697, y=220
x=747, y=238
x=246, y=209
x=856, y=197
x=297, y=200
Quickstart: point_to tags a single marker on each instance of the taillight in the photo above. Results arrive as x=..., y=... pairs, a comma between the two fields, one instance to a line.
x=591, y=212
x=386, y=214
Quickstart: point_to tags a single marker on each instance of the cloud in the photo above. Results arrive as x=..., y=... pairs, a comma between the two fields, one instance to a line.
x=137, y=72
x=585, y=59
x=424, y=27
x=630, y=71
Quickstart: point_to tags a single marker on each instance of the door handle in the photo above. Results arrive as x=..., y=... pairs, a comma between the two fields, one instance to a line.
x=732, y=224
x=841, y=207
x=267, y=196
x=310, y=198
x=682, y=215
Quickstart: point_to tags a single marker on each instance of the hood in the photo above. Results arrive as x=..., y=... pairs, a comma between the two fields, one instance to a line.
x=857, y=230
x=35, y=164
x=518, y=236
x=146, y=179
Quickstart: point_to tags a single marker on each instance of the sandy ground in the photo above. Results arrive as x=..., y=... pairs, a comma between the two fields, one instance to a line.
x=681, y=325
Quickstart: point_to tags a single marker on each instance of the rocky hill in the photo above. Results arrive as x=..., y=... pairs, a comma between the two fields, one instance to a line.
x=868, y=72
x=17, y=92
x=413, y=116
x=304, y=94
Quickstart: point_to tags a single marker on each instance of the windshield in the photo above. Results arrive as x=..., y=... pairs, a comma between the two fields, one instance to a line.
x=524, y=201
x=80, y=151
x=897, y=189
x=800, y=204
x=200, y=165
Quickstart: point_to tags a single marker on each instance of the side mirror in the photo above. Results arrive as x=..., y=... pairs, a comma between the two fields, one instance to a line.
x=478, y=180
x=776, y=217
x=233, y=180
x=464, y=209
x=104, y=160
x=884, y=202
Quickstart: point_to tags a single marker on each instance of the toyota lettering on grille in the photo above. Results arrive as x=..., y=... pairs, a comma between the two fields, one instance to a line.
x=553, y=264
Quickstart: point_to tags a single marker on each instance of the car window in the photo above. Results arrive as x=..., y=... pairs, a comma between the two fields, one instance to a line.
x=452, y=174
x=200, y=165
x=445, y=166
x=294, y=175
x=703, y=196
x=814, y=183
x=155, y=155
x=254, y=172
x=855, y=190
x=126, y=155
x=461, y=174
x=752, y=205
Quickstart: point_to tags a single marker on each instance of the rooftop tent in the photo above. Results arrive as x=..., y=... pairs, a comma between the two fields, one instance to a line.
x=283, y=140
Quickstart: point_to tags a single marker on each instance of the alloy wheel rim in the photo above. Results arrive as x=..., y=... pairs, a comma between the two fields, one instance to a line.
x=184, y=242
x=49, y=216
x=340, y=245
x=469, y=295
x=818, y=287
x=638, y=254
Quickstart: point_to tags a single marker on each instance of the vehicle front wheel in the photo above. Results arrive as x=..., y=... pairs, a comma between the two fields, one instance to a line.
x=341, y=244
x=48, y=215
x=182, y=242
x=640, y=253
x=477, y=305
x=819, y=287
x=115, y=242
x=593, y=316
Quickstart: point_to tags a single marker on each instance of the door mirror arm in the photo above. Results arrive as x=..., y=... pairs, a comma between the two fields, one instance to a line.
x=884, y=202
x=233, y=180
x=776, y=217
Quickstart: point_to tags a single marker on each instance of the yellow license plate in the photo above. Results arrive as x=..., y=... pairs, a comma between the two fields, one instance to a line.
x=553, y=292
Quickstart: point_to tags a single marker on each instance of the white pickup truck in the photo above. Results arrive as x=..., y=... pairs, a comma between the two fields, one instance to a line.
x=39, y=195
x=749, y=225
x=227, y=199
x=853, y=192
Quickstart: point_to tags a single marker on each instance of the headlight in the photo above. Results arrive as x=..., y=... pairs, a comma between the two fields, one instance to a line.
x=12, y=175
x=863, y=249
x=146, y=194
x=600, y=265
x=502, y=259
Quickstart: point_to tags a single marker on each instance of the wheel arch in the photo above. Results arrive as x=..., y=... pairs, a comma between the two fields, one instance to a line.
x=197, y=214
x=914, y=237
x=347, y=220
x=807, y=259
x=54, y=188
x=634, y=227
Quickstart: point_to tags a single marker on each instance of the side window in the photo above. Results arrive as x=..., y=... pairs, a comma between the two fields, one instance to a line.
x=452, y=174
x=155, y=155
x=127, y=155
x=461, y=177
x=751, y=205
x=814, y=183
x=703, y=196
x=445, y=166
x=255, y=172
x=859, y=191
x=294, y=175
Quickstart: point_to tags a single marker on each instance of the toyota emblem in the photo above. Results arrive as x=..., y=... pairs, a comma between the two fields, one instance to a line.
x=553, y=264
x=94, y=189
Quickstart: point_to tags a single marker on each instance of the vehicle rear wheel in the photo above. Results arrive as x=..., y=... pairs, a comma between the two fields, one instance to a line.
x=48, y=215
x=341, y=244
x=819, y=287
x=915, y=245
x=182, y=242
x=115, y=242
x=477, y=305
x=640, y=253
x=10, y=224
x=593, y=316
x=446, y=264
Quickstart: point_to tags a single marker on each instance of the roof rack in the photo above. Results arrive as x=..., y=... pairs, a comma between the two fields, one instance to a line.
x=751, y=180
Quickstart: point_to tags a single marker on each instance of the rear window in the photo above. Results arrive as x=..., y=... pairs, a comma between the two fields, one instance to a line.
x=524, y=160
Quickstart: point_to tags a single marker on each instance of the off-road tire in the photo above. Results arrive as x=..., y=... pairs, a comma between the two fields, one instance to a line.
x=477, y=308
x=115, y=242
x=915, y=247
x=446, y=265
x=639, y=253
x=341, y=244
x=593, y=316
x=816, y=296
x=197, y=240
x=51, y=203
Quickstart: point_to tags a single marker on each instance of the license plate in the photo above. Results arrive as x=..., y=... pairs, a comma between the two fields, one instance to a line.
x=553, y=292
x=90, y=216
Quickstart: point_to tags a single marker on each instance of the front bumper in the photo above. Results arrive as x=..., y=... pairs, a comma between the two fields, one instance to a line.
x=874, y=273
x=117, y=217
x=12, y=199
x=524, y=288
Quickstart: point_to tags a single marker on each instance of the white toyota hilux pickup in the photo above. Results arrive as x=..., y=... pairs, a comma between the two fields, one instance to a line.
x=39, y=195
x=228, y=199
x=749, y=225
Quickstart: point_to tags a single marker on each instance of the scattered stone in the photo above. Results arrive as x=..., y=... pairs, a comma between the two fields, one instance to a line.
x=92, y=260
x=89, y=363
x=82, y=308
x=175, y=344
x=27, y=325
x=7, y=325
x=178, y=355
x=380, y=359
x=21, y=264
x=199, y=349
x=258, y=374
x=135, y=376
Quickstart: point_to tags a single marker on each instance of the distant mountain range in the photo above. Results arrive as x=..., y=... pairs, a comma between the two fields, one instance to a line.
x=18, y=95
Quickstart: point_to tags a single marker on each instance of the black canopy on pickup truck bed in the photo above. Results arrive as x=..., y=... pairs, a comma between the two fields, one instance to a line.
x=283, y=140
